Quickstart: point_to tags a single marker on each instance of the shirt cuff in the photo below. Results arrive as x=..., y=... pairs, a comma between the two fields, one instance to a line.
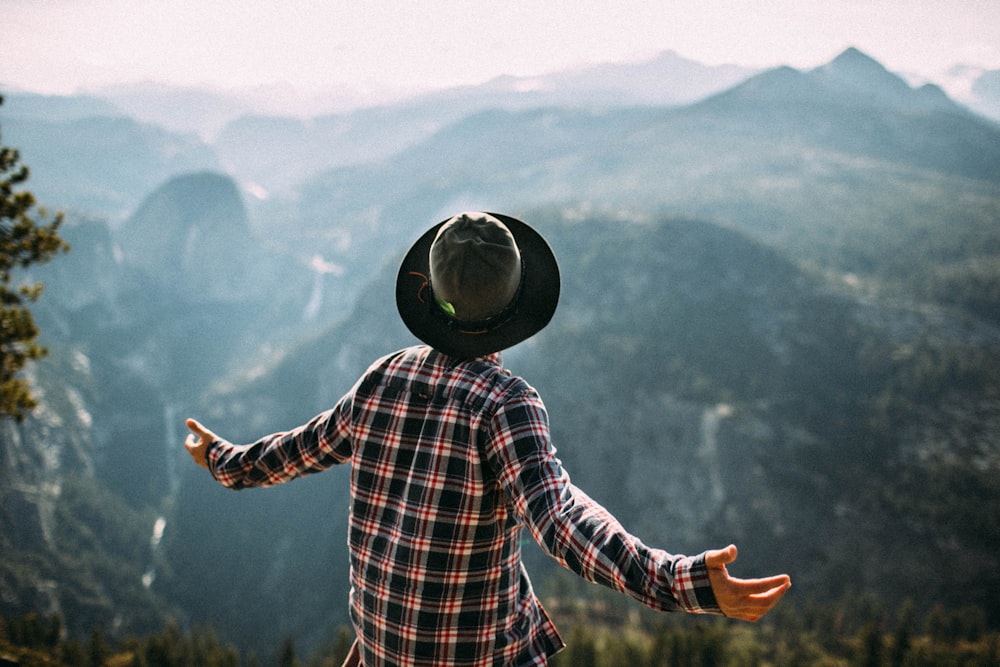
x=692, y=589
x=212, y=447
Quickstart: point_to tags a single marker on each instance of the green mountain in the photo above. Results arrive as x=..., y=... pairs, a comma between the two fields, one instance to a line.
x=707, y=390
x=811, y=162
x=779, y=327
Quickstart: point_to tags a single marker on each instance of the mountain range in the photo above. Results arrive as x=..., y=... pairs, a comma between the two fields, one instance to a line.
x=779, y=327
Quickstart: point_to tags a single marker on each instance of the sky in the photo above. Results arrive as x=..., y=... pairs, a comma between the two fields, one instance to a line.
x=68, y=46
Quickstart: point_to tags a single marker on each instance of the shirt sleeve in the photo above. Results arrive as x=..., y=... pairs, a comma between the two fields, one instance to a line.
x=577, y=531
x=315, y=446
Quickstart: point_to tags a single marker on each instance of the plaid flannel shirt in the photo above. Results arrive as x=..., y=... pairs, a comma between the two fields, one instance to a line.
x=450, y=460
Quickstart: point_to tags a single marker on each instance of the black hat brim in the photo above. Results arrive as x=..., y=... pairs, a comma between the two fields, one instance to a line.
x=536, y=301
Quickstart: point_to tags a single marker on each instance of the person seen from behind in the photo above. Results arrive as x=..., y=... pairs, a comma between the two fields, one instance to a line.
x=451, y=459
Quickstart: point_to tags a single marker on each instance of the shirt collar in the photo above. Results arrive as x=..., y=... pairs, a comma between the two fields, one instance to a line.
x=494, y=358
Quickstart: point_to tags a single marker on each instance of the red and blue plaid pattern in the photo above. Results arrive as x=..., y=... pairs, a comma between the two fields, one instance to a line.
x=449, y=461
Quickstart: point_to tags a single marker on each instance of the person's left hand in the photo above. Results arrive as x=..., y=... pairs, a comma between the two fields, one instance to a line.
x=197, y=448
x=744, y=599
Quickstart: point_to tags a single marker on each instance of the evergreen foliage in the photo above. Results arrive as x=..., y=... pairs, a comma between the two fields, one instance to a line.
x=25, y=239
x=843, y=310
x=841, y=634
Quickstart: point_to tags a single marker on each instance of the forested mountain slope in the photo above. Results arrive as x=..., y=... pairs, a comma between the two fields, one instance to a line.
x=779, y=327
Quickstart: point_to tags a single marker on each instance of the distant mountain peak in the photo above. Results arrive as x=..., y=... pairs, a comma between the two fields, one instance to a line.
x=853, y=57
x=859, y=75
x=859, y=68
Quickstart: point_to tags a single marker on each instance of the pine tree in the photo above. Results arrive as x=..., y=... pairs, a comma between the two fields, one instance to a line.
x=903, y=636
x=871, y=646
x=97, y=649
x=288, y=657
x=26, y=238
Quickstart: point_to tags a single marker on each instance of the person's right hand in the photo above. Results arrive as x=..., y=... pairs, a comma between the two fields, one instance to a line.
x=198, y=448
x=743, y=599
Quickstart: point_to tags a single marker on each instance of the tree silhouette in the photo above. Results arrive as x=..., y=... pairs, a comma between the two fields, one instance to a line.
x=287, y=657
x=26, y=237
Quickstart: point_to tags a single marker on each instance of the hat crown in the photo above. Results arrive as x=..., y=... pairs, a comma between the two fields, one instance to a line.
x=515, y=302
x=475, y=266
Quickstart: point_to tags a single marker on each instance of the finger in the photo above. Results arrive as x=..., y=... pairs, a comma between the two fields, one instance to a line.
x=771, y=595
x=758, y=603
x=203, y=433
x=721, y=557
x=754, y=586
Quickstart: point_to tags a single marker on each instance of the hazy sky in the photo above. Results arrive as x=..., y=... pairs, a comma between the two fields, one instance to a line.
x=69, y=45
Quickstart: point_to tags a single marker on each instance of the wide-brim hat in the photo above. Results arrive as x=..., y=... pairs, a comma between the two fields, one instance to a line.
x=531, y=309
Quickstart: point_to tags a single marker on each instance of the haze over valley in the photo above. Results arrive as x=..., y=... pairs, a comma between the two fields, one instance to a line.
x=780, y=327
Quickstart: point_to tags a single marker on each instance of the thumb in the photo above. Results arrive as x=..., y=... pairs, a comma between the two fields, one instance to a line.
x=197, y=428
x=201, y=435
x=721, y=557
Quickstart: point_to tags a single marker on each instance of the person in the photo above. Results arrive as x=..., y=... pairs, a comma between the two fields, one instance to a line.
x=451, y=458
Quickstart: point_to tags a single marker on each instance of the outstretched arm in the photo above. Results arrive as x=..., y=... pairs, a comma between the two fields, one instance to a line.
x=279, y=457
x=743, y=599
